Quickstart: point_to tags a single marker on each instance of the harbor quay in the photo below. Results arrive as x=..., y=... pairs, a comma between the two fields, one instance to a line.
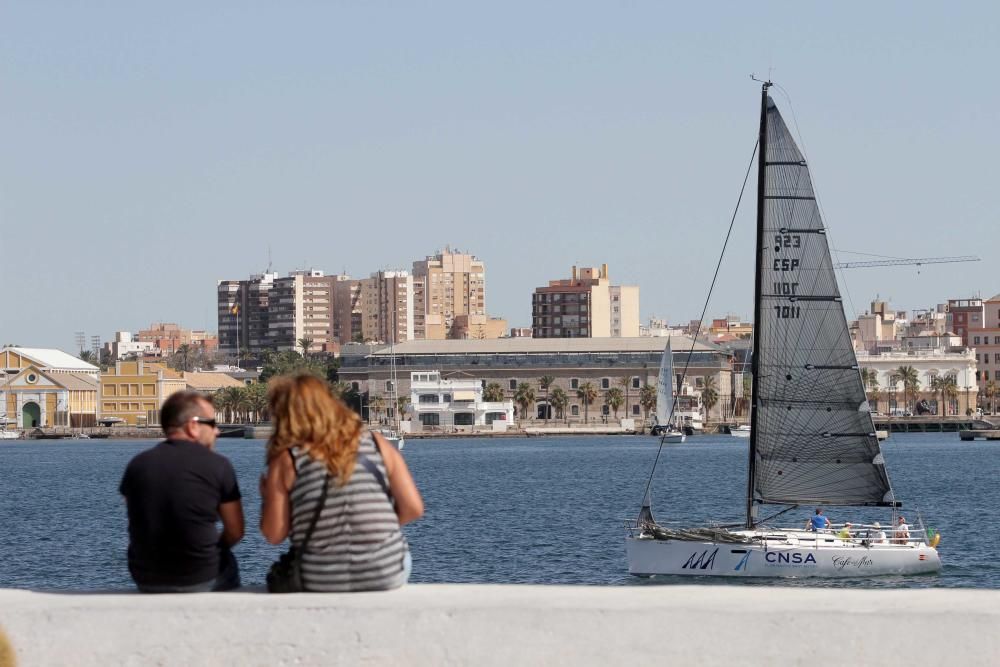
x=445, y=624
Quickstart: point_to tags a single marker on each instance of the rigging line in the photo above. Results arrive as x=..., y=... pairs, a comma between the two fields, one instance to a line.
x=708, y=298
x=866, y=254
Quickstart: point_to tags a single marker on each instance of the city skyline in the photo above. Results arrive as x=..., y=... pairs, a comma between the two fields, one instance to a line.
x=148, y=154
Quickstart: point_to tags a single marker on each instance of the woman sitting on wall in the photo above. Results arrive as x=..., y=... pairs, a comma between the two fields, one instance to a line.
x=321, y=452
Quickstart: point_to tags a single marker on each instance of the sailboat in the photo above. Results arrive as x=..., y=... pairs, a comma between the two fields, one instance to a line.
x=665, y=402
x=394, y=435
x=812, y=439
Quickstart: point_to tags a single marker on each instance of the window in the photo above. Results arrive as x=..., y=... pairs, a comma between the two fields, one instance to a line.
x=430, y=419
x=605, y=383
x=574, y=383
x=996, y=358
x=574, y=410
x=635, y=383
x=986, y=358
x=996, y=340
x=635, y=409
x=428, y=398
x=605, y=410
x=976, y=340
x=464, y=419
x=388, y=385
x=512, y=384
x=446, y=398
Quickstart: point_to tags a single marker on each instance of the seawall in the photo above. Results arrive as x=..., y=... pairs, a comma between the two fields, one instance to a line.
x=504, y=625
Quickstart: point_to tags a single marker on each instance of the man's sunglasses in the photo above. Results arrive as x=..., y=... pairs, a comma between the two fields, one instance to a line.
x=205, y=420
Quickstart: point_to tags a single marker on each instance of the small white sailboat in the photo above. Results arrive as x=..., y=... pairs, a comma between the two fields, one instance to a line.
x=394, y=435
x=741, y=431
x=812, y=441
x=665, y=401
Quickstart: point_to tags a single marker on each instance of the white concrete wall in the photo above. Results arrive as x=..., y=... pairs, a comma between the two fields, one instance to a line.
x=511, y=625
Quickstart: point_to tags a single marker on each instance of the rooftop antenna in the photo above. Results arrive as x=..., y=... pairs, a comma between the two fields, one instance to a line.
x=268, y=258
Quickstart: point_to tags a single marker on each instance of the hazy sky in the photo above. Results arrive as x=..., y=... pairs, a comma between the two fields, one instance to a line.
x=149, y=149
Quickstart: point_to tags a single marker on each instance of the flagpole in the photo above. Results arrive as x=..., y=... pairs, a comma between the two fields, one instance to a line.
x=238, y=364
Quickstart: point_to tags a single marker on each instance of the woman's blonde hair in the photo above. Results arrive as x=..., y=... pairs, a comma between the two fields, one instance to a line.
x=306, y=414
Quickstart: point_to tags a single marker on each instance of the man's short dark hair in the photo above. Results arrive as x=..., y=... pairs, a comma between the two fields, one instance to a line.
x=180, y=408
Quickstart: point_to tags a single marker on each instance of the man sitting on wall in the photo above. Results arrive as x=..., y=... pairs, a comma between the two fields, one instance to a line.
x=175, y=493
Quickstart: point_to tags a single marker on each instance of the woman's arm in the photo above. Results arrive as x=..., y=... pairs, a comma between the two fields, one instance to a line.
x=276, y=509
x=409, y=504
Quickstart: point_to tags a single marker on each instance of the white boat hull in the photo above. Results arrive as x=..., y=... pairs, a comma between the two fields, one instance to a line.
x=786, y=557
x=674, y=438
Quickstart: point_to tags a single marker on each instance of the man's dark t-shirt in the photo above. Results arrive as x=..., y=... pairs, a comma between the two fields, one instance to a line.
x=173, y=492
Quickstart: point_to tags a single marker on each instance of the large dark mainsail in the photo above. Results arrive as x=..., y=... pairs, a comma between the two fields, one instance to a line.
x=812, y=436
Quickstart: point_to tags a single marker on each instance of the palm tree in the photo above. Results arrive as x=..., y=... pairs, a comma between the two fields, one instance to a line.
x=587, y=393
x=948, y=386
x=875, y=395
x=88, y=356
x=559, y=401
x=626, y=384
x=244, y=403
x=615, y=397
x=257, y=399
x=991, y=390
x=493, y=393
x=545, y=382
x=233, y=398
x=869, y=378
x=378, y=405
x=911, y=382
x=524, y=396
x=647, y=399
x=184, y=352
x=305, y=343
x=709, y=395
x=402, y=406
x=222, y=403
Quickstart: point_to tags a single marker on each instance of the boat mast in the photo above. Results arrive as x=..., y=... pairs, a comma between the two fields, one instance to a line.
x=757, y=279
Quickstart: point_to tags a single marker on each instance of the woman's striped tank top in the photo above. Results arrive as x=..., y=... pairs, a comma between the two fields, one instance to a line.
x=357, y=544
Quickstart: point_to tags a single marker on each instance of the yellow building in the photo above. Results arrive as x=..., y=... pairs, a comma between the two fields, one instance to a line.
x=133, y=391
x=44, y=387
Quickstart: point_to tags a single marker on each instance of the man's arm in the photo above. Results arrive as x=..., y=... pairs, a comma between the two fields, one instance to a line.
x=232, y=522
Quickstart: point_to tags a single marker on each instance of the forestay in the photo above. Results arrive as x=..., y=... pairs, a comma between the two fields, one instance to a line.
x=815, y=442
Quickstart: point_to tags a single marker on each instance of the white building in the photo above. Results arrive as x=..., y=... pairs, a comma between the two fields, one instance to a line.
x=125, y=345
x=929, y=364
x=454, y=404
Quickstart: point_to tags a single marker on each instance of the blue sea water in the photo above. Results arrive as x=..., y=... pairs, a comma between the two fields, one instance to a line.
x=504, y=510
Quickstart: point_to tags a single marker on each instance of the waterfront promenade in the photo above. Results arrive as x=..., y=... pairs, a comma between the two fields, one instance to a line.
x=503, y=625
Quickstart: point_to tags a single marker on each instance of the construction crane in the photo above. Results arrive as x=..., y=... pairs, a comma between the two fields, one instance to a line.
x=916, y=261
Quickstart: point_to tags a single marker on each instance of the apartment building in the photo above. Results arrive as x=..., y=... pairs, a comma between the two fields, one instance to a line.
x=243, y=314
x=300, y=306
x=964, y=314
x=347, y=313
x=167, y=337
x=387, y=308
x=985, y=341
x=446, y=285
x=585, y=306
